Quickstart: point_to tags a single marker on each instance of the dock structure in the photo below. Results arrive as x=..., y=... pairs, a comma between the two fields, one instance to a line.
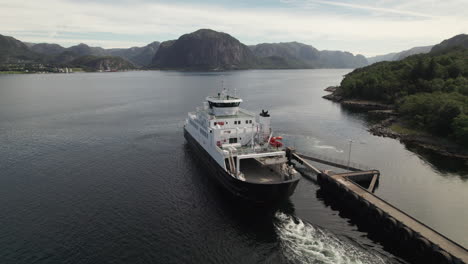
x=422, y=243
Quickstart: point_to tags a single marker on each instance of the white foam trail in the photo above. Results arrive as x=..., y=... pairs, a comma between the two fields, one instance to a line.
x=291, y=139
x=328, y=147
x=304, y=243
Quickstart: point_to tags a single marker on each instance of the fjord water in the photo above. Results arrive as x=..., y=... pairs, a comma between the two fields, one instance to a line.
x=94, y=169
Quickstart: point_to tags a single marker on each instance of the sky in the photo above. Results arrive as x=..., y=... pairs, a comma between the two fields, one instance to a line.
x=361, y=27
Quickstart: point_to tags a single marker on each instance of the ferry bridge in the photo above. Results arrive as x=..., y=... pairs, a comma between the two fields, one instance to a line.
x=354, y=189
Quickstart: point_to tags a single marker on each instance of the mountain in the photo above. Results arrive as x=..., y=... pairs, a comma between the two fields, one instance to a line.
x=63, y=58
x=140, y=56
x=413, y=51
x=13, y=51
x=102, y=63
x=46, y=48
x=298, y=55
x=83, y=50
x=204, y=49
x=288, y=50
x=209, y=50
x=286, y=55
x=456, y=41
x=385, y=57
x=341, y=59
x=395, y=56
x=56, y=54
x=72, y=53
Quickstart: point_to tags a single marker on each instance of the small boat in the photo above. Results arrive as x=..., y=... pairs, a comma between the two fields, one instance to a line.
x=240, y=150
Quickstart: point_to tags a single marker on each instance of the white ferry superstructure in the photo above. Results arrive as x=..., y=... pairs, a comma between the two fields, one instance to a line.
x=240, y=149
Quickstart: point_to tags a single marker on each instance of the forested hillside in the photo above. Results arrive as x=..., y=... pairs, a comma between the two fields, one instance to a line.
x=430, y=91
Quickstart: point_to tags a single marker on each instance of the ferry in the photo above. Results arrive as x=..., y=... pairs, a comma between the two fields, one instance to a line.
x=240, y=150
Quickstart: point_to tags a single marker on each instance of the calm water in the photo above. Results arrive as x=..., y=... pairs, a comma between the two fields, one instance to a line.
x=94, y=169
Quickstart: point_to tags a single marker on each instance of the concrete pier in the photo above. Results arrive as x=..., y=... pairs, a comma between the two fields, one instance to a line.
x=421, y=242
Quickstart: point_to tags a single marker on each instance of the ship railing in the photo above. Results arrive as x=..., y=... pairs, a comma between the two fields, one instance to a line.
x=263, y=149
x=220, y=150
x=343, y=163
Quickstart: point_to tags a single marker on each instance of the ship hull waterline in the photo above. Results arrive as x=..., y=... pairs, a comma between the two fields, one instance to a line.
x=253, y=192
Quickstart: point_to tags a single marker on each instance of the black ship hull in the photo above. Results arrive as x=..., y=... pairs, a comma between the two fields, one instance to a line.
x=253, y=192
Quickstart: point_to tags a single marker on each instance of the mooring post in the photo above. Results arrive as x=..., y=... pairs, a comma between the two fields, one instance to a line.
x=373, y=182
x=289, y=152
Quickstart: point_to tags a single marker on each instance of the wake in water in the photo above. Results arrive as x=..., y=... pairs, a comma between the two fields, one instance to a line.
x=304, y=243
x=310, y=142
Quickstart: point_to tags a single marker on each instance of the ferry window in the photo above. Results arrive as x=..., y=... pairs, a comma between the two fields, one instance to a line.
x=250, y=121
x=232, y=140
x=246, y=121
x=215, y=123
x=223, y=104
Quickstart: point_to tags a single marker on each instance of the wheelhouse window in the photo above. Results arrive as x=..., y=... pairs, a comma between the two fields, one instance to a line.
x=232, y=140
x=211, y=104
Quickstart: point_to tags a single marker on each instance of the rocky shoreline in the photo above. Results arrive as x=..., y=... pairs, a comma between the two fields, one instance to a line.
x=388, y=116
x=355, y=104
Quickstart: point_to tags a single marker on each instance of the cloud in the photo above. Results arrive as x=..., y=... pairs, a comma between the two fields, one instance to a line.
x=125, y=23
x=371, y=8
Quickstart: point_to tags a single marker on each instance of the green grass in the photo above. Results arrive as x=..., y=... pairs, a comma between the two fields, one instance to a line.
x=404, y=130
x=77, y=70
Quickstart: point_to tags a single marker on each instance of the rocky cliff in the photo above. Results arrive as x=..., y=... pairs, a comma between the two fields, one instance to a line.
x=204, y=49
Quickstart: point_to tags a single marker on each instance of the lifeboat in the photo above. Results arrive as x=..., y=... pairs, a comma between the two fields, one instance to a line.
x=275, y=143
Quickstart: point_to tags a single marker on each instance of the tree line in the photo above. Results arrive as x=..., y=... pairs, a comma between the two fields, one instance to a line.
x=430, y=91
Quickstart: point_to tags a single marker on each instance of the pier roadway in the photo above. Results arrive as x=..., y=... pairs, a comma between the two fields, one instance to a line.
x=429, y=244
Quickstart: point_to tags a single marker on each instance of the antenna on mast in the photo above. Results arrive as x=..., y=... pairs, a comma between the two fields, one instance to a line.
x=223, y=91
